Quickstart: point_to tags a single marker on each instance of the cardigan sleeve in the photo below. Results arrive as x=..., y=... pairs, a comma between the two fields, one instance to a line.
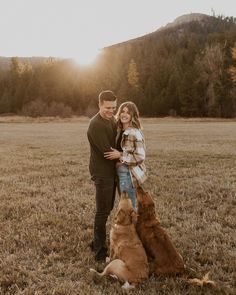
x=133, y=147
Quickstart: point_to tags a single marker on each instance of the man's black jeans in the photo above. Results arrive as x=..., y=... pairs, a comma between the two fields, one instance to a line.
x=105, y=197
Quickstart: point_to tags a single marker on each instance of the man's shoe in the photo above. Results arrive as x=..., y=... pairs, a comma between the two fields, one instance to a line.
x=101, y=255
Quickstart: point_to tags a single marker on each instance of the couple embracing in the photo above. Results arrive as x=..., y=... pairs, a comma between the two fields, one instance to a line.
x=117, y=154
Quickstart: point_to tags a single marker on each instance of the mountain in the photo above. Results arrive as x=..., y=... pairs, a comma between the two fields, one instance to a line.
x=186, y=67
x=6, y=61
x=186, y=18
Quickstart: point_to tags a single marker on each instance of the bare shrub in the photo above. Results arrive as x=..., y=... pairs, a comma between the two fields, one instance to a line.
x=36, y=108
x=5, y=106
x=39, y=108
x=172, y=113
x=59, y=109
x=91, y=110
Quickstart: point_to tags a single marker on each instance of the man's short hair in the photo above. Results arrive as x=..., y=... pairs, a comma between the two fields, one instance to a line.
x=106, y=95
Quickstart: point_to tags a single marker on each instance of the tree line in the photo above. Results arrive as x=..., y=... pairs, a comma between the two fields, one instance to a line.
x=187, y=70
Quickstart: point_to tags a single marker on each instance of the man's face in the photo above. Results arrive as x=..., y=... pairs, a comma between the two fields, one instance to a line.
x=107, y=109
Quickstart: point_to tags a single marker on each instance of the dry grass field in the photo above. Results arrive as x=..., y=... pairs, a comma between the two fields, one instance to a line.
x=47, y=205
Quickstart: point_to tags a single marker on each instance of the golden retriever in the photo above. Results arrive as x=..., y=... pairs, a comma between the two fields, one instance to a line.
x=159, y=248
x=128, y=258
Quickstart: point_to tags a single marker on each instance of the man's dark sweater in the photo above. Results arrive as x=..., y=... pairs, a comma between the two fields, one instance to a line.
x=101, y=135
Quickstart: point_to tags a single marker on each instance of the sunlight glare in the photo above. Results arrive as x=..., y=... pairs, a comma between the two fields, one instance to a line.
x=86, y=57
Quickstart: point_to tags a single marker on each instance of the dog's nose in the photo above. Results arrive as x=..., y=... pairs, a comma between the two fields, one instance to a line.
x=124, y=195
x=140, y=190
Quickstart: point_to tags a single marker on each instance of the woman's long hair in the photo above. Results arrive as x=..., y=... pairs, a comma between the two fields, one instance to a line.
x=133, y=111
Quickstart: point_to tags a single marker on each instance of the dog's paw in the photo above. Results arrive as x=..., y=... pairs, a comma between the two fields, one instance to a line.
x=114, y=277
x=127, y=286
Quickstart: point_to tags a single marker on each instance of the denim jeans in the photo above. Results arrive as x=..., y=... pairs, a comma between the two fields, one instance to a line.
x=105, y=197
x=125, y=183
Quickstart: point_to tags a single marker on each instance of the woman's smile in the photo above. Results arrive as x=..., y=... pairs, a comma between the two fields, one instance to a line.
x=125, y=116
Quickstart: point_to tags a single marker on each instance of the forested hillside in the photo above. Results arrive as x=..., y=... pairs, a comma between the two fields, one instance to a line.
x=187, y=68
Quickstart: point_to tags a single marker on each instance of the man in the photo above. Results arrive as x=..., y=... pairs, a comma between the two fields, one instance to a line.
x=101, y=135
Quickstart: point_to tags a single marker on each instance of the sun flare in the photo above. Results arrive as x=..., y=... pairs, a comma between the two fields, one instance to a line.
x=86, y=57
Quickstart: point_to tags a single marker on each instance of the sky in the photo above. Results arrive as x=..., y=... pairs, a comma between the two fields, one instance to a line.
x=80, y=28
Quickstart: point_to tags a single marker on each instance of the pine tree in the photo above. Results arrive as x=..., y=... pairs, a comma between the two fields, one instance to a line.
x=210, y=68
x=232, y=69
x=133, y=74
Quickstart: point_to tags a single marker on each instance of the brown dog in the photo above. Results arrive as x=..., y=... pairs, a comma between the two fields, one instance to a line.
x=129, y=261
x=159, y=248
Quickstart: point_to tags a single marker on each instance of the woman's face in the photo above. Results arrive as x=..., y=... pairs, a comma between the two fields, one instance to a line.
x=125, y=116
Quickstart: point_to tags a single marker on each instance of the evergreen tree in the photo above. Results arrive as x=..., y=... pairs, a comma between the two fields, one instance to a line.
x=210, y=69
x=133, y=74
x=232, y=69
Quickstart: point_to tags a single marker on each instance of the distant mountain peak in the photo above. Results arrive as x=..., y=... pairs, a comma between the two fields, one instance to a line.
x=186, y=18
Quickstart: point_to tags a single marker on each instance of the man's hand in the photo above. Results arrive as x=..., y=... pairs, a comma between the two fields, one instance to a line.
x=114, y=154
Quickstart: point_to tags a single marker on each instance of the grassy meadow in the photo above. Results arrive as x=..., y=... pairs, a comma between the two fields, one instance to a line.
x=47, y=205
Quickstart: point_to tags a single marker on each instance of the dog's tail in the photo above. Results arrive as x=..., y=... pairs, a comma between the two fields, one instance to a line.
x=92, y=270
x=106, y=272
x=116, y=269
x=95, y=275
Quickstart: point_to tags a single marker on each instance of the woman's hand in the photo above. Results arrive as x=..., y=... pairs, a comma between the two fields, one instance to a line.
x=114, y=154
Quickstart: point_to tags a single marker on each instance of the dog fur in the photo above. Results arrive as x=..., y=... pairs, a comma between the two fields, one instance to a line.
x=161, y=252
x=128, y=258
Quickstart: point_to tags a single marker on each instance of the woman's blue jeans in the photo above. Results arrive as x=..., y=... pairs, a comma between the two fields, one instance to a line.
x=125, y=183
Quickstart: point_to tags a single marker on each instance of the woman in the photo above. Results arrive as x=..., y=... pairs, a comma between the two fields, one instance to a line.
x=130, y=150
